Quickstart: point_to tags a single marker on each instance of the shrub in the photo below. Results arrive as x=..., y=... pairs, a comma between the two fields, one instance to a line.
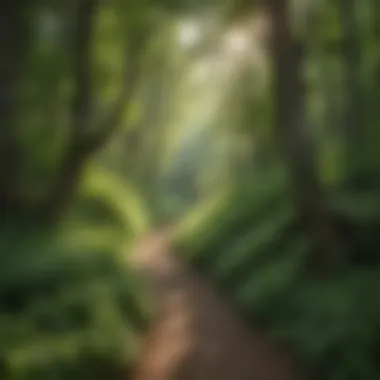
x=254, y=247
x=69, y=307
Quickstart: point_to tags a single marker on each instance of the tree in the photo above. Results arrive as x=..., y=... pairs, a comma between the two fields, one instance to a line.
x=87, y=129
x=14, y=45
x=293, y=139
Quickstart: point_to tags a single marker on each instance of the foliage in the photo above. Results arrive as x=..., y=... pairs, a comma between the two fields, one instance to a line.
x=106, y=199
x=74, y=74
x=256, y=250
x=69, y=303
x=69, y=306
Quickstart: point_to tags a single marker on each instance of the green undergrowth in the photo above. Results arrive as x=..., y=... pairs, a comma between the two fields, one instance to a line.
x=70, y=307
x=104, y=199
x=67, y=310
x=253, y=246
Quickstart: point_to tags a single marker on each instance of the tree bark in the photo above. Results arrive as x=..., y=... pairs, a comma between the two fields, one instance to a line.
x=354, y=125
x=293, y=141
x=14, y=48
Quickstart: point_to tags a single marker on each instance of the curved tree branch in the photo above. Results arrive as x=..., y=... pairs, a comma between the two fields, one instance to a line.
x=81, y=46
x=112, y=117
x=82, y=144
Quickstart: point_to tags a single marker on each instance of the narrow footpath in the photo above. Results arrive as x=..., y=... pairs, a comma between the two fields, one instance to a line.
x=197, y=335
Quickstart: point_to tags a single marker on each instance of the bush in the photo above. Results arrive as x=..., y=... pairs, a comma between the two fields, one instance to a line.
x=106, y=200
x=69, y=307
x=252, y=244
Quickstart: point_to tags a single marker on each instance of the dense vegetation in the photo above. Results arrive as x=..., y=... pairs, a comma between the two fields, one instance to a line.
x=296, y=245
x=254, y=246
x=253, y=126
x=68, y=308
x=69, y=304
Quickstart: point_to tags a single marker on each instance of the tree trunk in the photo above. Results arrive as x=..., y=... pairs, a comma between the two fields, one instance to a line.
x=354, y=127
x=14, y=48
x=355, y=122
x=294, y=143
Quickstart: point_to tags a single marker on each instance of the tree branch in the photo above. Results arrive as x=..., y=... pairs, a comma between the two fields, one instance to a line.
x=81, y=43
x=82, y=144
x=73, y=159
x=111, y=119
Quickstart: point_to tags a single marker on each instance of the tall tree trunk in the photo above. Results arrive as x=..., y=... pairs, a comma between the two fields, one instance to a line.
x=14, y=47
x=294, y=143
x=375, y=5
x=354, y=126
x=352, y=60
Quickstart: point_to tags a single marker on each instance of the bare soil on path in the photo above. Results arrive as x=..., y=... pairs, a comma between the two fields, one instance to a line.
x=197, y=335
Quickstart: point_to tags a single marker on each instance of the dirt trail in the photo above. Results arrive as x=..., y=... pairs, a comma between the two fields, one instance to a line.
x=197, y=335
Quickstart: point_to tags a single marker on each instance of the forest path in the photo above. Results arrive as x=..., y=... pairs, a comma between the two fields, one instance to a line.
x=197, y=335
